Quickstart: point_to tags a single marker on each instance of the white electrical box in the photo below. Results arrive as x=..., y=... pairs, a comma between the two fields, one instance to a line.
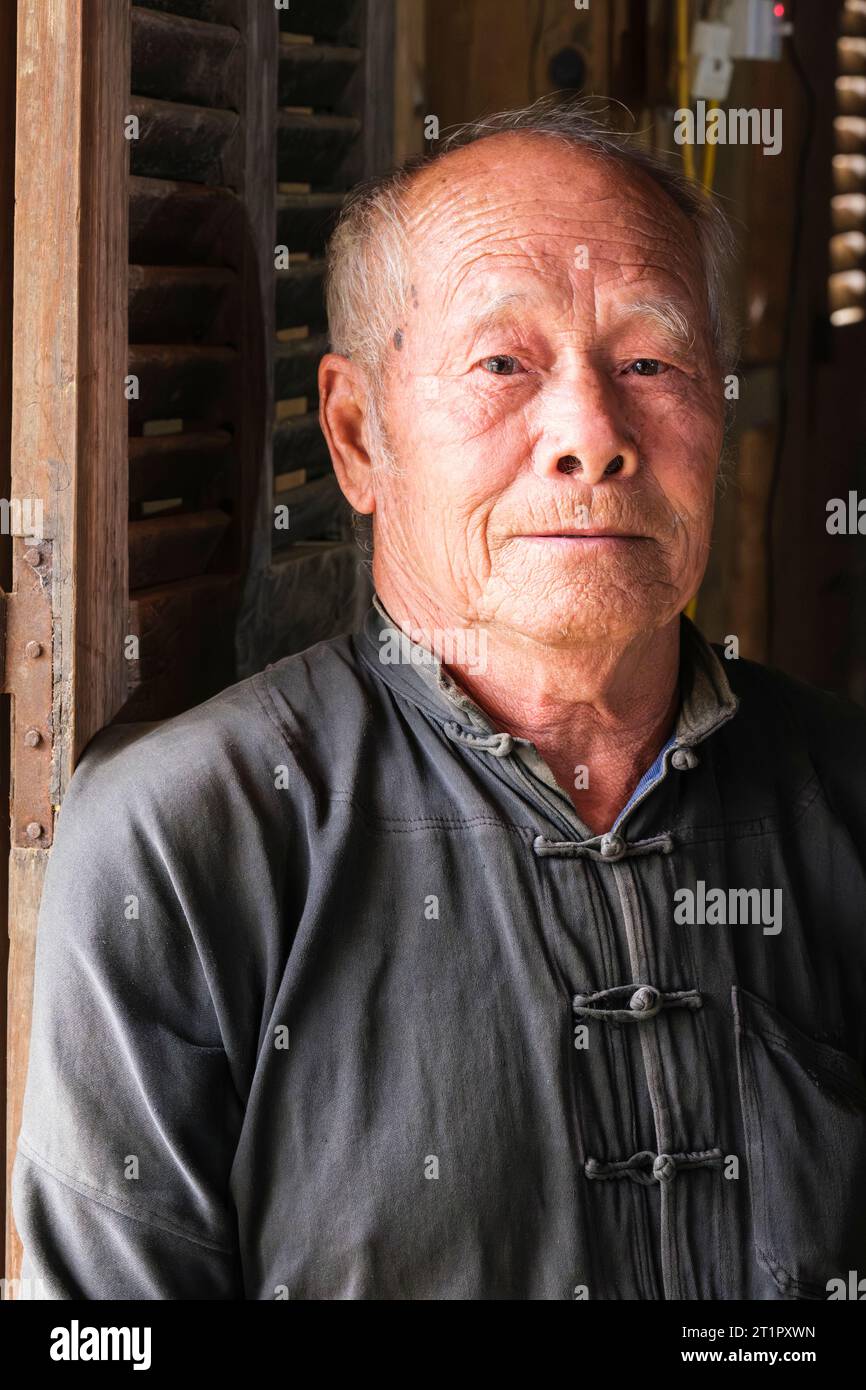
x=758, y=28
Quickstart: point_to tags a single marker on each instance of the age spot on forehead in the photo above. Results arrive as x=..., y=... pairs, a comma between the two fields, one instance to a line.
x=398, y=338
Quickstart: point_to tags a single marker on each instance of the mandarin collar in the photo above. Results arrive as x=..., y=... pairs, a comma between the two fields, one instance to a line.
x=706, y=698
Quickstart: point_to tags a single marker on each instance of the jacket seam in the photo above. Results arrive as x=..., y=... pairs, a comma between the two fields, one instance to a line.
x=406, y=824
x=272, y=715
x=826, y=1068
x=403, y=690
x=113, y=1203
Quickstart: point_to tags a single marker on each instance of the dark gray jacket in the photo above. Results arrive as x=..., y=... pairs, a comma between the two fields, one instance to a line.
x=336, y=998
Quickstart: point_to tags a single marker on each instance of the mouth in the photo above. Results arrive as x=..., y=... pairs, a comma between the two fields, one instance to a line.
x=599, y=534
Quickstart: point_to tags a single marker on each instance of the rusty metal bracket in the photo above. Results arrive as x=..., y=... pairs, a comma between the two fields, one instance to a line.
x=27, y=673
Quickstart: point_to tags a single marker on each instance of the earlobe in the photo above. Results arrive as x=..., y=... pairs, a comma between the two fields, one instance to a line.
x=343, y=408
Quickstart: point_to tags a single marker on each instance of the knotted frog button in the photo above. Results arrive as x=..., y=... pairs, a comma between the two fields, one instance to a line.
x=612, y=846
x=644, y=1000
x=664, y=1168
x=683, y=759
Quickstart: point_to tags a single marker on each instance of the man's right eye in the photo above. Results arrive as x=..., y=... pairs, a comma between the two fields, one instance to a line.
x=501, y=365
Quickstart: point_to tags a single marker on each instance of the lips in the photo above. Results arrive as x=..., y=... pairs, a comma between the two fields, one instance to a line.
x=579, y=535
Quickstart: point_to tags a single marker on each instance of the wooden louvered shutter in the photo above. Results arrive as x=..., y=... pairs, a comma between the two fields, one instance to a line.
x=195, y=336
x=333, y=117
x=253, y=121
x=847, y=287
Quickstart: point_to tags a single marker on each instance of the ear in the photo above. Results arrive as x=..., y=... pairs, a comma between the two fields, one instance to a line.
x=343, y=405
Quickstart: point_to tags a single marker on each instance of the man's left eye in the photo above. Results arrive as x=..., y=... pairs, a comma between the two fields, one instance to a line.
x=647, y=366
x=501, y=365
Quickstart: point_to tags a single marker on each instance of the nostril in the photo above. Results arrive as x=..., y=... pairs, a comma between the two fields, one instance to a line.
x=568, y=463
x=615, y=464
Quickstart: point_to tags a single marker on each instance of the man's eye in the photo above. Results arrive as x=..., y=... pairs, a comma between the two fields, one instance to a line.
x=647, y=366
x=501, y=365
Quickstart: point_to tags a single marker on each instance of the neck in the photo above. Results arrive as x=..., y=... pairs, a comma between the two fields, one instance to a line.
x=597, y=711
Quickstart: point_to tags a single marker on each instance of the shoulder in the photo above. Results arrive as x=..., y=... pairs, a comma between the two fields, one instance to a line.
x=799, y=721
x=215, y=762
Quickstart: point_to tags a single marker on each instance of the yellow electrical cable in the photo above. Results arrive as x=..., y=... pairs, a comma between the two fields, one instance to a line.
x=709, y=157
x=683, y=92
x=709, y=162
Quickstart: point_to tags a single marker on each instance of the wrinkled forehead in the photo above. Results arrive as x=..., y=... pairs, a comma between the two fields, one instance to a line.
x=517, y=207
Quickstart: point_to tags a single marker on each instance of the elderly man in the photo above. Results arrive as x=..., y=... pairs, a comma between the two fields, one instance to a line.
x=512, y=948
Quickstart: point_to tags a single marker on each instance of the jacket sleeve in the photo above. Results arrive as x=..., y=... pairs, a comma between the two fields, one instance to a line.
x=131, y=1115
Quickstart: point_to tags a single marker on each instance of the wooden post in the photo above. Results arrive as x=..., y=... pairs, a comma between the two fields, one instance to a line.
x=68, y=406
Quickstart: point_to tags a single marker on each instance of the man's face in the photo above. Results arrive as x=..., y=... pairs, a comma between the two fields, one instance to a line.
x=526, y=370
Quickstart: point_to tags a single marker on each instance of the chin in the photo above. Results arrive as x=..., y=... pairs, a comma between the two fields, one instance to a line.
x=585, y=623
x=614, y=607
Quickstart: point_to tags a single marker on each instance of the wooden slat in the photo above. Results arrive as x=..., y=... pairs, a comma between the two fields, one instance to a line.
x=258, y=188
x=846, y=289
x=849, y=173
x=178, y=141
x=183, y=655
x=296, y=367
x=26, y=877
x=212, y=11
x=852, y=55
x=171, y=304
x=314, y=74
x=848, y=211
x=305, y=220
x=317, y=511
x=375, y=151
x=162, y=549
x=185, y=60
x=300, y=444
x=309, y=594
x=333, y=19
x=850, y=134
x=300, y=297
x=847, y=250
x=177, y=223
x=851, y=95
x=70, y=335
x=852, y=19
x=7, y=214
x=179, y=465
x=311, y=149
x=193, y=384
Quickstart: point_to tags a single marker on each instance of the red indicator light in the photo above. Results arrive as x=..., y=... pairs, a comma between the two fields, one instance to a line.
x=779, y=11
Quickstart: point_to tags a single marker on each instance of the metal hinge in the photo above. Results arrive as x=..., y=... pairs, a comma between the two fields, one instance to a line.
x=26, y=661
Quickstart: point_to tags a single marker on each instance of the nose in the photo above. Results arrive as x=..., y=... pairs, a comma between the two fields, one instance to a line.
x=583, y=431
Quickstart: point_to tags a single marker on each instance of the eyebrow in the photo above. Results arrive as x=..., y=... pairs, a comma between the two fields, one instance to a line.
x=490, y=315
x=671, y=319
x=674, y=322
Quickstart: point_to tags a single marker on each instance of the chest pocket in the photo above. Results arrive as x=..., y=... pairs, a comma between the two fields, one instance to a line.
x=804, y=1116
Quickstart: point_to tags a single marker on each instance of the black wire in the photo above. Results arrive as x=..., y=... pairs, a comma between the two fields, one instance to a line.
x=787, y=328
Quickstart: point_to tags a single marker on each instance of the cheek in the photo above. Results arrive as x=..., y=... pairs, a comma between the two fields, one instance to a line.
x=464, y=448
x=680, y=441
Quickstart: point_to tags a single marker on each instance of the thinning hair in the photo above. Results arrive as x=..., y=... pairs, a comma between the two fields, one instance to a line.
x=366, y=283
